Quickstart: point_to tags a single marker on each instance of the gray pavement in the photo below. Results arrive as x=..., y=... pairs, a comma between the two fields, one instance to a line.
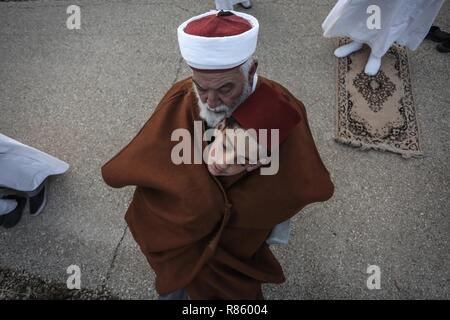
x=81, y=95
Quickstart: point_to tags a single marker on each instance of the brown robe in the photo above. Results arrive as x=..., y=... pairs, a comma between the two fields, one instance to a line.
x=204, y=233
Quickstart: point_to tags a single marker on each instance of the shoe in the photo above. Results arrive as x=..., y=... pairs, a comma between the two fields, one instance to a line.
x=38, y=202
x=246, y=4
x=2, y=217
x=437, y=35
x=13, y=218
x=444, y=47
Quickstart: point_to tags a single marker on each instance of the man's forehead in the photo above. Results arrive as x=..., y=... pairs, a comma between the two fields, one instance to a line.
x=216, y=77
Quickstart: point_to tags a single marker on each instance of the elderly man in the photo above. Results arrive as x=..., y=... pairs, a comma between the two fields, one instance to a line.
x=205, y=235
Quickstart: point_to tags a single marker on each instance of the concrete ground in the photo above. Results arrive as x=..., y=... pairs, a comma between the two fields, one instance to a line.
x=81, y=95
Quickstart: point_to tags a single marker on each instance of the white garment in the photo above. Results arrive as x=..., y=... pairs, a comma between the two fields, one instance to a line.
x=7, y=205
x=404, y=21
x=280, y=233
x=24, y=168
x=226, y=4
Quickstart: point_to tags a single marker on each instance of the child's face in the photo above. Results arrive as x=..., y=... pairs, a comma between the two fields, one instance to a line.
x=228, y=164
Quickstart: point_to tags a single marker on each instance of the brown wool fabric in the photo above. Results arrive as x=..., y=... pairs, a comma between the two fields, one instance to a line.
x=204, y=233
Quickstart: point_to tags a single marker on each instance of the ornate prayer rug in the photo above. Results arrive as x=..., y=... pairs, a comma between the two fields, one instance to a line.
x=377, y=112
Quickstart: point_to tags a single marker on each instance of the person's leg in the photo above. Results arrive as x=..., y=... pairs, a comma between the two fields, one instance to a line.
x=7, y=205
x=180, y=294
x=347, y=49
x=437, y=35
x=224, y=5
x=373, y=65
x=280, y=233
x=38, y=199
x=260, y=295
x=444, y=47
x=246, y=4
x=12, y=218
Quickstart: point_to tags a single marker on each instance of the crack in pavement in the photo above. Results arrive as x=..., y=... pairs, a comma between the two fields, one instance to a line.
x=113, y=259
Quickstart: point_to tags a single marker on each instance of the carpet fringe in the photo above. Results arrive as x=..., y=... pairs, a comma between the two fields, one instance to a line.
x=407, y=154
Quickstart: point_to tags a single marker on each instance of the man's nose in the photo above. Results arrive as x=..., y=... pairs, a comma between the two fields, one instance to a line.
x=212, y=100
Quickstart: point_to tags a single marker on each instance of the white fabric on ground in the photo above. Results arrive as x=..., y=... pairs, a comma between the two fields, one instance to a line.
x=24, y=168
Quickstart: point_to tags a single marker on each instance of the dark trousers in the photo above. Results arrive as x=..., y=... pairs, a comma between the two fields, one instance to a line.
x=179, y=294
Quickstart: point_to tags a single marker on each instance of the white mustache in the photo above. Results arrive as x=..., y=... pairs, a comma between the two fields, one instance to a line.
x=219, y=109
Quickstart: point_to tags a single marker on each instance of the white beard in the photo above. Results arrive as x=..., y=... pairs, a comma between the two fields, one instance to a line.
x=213, y=117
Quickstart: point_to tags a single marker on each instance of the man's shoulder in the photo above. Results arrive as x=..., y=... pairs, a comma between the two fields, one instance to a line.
x=175, y=94
x=280, y=89
x=180, y=88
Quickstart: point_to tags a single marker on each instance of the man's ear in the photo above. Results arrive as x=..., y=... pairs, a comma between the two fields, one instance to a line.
x=252, y=71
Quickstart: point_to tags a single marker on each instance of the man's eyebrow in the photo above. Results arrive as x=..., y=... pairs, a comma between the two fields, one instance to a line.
x=223, y=86
x=226, y=85
x=199, y=86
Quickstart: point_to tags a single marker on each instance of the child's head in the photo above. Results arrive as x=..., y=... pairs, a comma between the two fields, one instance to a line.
x=233, y=160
